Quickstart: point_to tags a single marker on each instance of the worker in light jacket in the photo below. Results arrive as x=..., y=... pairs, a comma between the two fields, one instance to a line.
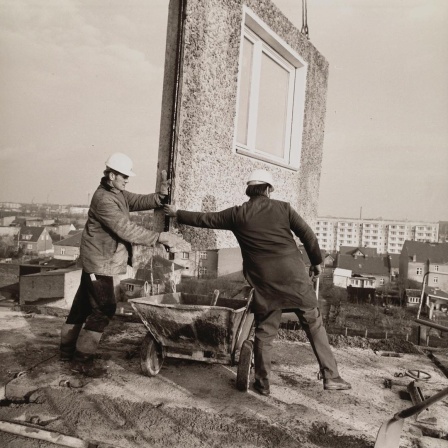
x=105, y=252
x=273, y=266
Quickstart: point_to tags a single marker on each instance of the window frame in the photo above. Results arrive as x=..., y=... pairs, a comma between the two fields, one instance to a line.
x=268, y=42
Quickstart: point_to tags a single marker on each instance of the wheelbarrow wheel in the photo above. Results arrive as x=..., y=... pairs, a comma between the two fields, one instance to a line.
x=151, y=356
x=244, y=365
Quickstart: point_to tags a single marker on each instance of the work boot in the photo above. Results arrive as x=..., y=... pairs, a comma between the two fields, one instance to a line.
x=336, y=384
x=87, y=344
x=69, y=336
x=88, y=368
x=262, y=386
x=86, y=348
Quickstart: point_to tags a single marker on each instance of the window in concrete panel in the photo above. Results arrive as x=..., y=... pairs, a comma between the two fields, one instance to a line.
x=271, y=96
x=274, y=109
x=243, y=112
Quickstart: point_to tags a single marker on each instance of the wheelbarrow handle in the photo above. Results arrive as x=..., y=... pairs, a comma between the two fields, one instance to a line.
x=422, y=405
x=316, y=287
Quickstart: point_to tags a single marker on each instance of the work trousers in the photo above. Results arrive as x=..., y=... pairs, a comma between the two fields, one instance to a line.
x=94, y=303
x=266, y=329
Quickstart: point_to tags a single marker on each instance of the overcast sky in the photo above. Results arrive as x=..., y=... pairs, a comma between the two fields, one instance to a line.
x=80, y=79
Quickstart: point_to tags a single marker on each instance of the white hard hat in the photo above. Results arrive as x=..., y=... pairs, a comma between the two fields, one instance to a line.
x=120, y=162
x=261, y=177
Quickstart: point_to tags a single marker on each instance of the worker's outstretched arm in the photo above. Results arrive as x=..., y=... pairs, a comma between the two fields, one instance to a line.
x=212, y=220
x=141, y=202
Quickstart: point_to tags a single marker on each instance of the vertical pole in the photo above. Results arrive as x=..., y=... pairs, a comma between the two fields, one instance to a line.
x=173, y=140
x=422, y=295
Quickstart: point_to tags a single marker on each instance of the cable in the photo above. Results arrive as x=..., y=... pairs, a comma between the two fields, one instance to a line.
x=304, y=29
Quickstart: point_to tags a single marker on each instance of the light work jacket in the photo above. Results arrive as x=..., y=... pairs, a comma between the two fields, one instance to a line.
x=106, y=243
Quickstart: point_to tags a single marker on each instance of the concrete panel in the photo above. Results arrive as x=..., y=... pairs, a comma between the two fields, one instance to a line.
x=208, y=173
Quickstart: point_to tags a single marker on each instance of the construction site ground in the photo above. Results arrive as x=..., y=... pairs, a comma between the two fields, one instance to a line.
x=192, y=404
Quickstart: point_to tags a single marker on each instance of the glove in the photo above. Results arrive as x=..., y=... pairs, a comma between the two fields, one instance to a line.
x=170, y=210
x=175, y=242
x=164, y=183
x=315, y=270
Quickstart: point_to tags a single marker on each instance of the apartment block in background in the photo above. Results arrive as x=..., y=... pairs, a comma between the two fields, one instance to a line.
x=386, y=236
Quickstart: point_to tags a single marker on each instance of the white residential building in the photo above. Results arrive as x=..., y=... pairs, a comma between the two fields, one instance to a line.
x=386, y=236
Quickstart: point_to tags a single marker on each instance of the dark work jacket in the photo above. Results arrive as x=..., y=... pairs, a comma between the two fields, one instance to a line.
x=106, y=243
x=272, y=262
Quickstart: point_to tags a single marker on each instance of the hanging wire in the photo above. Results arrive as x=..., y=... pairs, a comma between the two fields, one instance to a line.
x=304, y=29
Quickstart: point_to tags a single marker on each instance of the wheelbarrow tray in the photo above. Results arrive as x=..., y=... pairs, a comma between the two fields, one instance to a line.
x=186, y=326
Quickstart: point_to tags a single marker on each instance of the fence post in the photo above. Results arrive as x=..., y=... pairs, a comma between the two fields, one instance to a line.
x=422, y=333
x=386, y=335
x=407, y=336
x=345, y=331
x=365, y=333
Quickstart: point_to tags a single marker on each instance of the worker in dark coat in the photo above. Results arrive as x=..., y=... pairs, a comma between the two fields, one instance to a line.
x=105, y=253
x=273, y=266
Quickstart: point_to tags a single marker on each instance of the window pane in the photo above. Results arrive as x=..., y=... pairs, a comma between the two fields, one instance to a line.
x=243, y=107
x=272, y=107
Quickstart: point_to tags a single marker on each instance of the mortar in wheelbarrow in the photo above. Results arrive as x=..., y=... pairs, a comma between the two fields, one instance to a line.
x=187, y=326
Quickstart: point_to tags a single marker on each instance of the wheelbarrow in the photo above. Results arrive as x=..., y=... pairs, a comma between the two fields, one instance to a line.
x=189, y=326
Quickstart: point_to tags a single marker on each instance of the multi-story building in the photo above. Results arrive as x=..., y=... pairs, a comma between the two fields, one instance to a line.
x=210, y=263
x=385, y=236
x=419, y=260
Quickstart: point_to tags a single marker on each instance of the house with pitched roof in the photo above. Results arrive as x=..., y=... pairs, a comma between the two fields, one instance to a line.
x=435, y=300
x=68, y=248
x=359, y=251
x=412, y=297
x=361, y=271
x=34, y=240
x=424, y=262
x=62, y=229
x=156, y=277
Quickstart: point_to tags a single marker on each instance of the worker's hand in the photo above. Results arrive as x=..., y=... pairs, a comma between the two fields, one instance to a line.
x=174, y=242
x=164, y=183
x=315, y=271
x=170, y=210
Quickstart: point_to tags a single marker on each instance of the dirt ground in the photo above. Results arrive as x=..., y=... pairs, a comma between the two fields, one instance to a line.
x=191, y=404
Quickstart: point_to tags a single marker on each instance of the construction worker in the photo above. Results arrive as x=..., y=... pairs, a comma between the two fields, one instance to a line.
x=273, y=266
x=105, y=252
